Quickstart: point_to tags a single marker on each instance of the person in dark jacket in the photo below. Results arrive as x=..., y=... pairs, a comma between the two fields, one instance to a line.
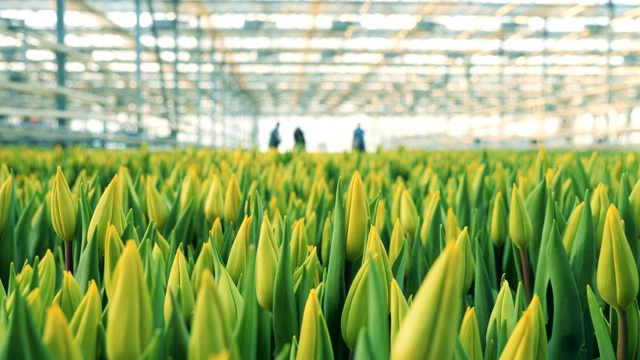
x=298, y=137
x=274, y=139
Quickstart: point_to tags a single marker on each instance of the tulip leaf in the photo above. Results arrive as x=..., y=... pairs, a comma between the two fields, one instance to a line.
x=600, y=326
x=23, y=230
x=567, y=334
x=463, y=203
x=579, y=175
x=248, y=332
x=8, y=251
x=583, y=252
x=483, y=297
x=626, y=213
x=542, y=270
x=152, y=350
x=176, y=332
x=285, y=315
x=88, y=266
x=399, y=265
x=173, y=216
x=536, y=205
x=377, y=325
x=459, y=353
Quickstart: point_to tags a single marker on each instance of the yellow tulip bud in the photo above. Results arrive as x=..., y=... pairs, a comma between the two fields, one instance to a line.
x=230, y=299
x=108, y=211
x=617, y=275
x=470, y=335
x=520, y=227
x=315, y=342
x=499, y=221
x=427, y=330
x=84, y=324
x=451, y=230
x=267, y=256
x=397, y=200
x=129, y=317
x=218, y=236
x=399, y=308
x=208, y=319
x=58, y=337
x=6, y=191
x=157, y=209
x=599, y=205
x=381, y=214
x=357, y=214
x=205, y=262
x=529, y=338
x=190, y=190
x=214, y=205
x=47, y=274
x=408, y=214
x=63, y=208
x=504, y=312
x=572, y=228
x=112, y=252
x=69, y=296
x=432, y=206
x=238, y=254
x=232, y=200
x=397, y=239
x=468, y=262
x=179, y=283
x=298, y=244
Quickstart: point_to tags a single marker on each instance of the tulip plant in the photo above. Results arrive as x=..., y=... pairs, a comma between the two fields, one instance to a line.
x=203, y=254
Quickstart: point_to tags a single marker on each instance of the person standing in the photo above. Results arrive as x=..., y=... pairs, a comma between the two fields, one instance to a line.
x=274, y=139
x=298, y=137
x=358, y=139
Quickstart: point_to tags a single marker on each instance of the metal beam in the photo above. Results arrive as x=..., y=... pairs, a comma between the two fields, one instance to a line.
x=61, y=61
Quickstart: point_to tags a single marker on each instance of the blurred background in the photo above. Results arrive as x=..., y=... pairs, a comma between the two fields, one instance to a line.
x=419, y=74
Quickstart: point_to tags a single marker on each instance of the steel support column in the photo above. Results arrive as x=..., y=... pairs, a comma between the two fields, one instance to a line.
x=138, y=35
x=199, y=79
x=176, y=73
x=61, y=61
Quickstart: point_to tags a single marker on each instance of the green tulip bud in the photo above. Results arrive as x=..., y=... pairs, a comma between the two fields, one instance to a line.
x=599, y=205
x=470, y=335
x=6, y=191
x=431, y=209
x=529, y=338
x=617, y=275
x=214, y=204
x=230, y=299
x=84, y=324
x=179, y=283
x=129, y=317
x=108, y=211
x=238, y=254
x=47, y=274
x=468, y=262
x=34, y=303
x=232, y=200
x=315, y=342
x=204, y=262
x=375, y=250
x=157, y=209
x=408, y=214
x=298, y=244
x=381, y=215
x=357, y=215
x=519, y=222
x=499, y=221
x=58, y=337
x=267, y=256
x=327, y=233
x=218, y=235
x=572, y=228
x=397, y=239
x=397, y=200
x=69, y=296
x=63, y=208
x=427, y=330
x=112, y=252
x=504, y=312
x=354, y=314
x=190, y=190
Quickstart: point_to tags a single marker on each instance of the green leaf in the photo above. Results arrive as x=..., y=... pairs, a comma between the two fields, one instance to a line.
x=536, y=204
x=626, y=213
x=285, y=314
x=483, y=296
x=463, y=203
x=89, y=267
x=176, y=332
x=542, y=270
x=583, y=252
x=567, y=334
x=23, y=230
x=600, y=326
x=378, y=326
x=248, y=331
x=8, y=251
x=399, y=265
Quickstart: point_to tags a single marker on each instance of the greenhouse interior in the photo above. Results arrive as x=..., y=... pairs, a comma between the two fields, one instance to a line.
x=320, y=179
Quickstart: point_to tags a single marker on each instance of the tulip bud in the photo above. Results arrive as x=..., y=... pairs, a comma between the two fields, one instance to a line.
x=468, y=262
x=63, y=208
x=599, y=205
x=267, y=256
x=504, y=312
x=529, y=338
x=617, y=275
x=315, y=342
x=58, y=337
x=357, y=214
x=431, y=213
x=375, y=250
x=397, y=239
x=208, y=319
x=310, y=228
x=427, y=330
x=634, y=199
x=84, y=324
x=408, y=214
x=354, y=314
x=232, y=200
x=218, y=235
x=519, y=222
x=327, y=233
x=190, y=190
x=399, y=308
x=129, y=317
x=381, y=215
x=108, y=211
x=214, y=205
x=47, y=275
x=6, y=191
x=470, y=335
x=238, y=254
x=70, y=295
x=397, y=200
x=205, y=262
x=231, y=301
x=499, y=221
x=157, y=209
x=572, y=228
x=34, y=303
x=451, y=230
x=179, y=283
x=112, y=252
x=298, y=244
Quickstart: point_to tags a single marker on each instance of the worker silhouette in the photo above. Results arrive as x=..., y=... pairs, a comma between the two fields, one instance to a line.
x=274, y=139
x=358, y=139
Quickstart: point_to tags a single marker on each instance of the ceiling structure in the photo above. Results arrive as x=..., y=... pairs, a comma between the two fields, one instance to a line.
x=249, y=59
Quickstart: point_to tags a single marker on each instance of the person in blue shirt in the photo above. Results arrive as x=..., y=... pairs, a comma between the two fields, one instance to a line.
x=274, y=139
x=358, y=139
